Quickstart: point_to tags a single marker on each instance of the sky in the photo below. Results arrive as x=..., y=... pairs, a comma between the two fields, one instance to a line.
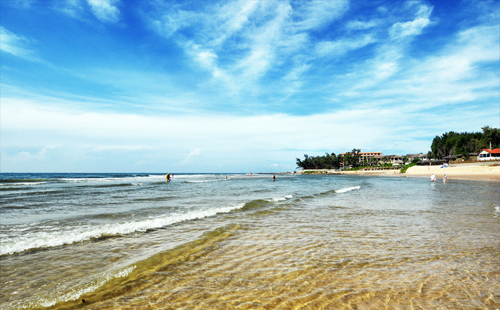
x=238, y=86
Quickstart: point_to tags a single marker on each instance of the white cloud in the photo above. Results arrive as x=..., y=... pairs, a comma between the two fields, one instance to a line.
x=15, y=44
x=224, y=139
x=105, y=10
x=343, y=46
x=317, y=13
x=72, y=8
x=194, y=152
x=25, y=4
x=240, y=42
x=361, y=25
x=412, y=28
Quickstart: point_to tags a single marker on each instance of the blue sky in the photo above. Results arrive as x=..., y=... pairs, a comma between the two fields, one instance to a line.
x=238, y=86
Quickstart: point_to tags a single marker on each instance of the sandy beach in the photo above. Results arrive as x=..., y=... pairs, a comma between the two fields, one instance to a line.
x=473, y=171
x=476, y=171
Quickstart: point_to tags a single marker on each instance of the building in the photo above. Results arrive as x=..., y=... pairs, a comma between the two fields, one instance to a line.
x=420, y=156
x=489, y=154
x=366, y=155
x=394, y=159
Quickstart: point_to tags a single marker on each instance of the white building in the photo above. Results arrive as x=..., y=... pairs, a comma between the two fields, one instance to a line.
x=489, y=154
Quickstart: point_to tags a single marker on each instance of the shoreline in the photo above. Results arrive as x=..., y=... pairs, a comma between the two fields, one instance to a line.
x=476, y=172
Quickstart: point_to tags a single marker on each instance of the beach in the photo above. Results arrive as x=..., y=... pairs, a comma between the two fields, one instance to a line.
x=476, y=171
x=206, y=242
x=486, y=171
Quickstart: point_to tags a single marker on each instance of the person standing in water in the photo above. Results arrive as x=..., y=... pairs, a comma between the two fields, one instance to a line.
x=274, y=177
x=444, y=178
x=433, y=178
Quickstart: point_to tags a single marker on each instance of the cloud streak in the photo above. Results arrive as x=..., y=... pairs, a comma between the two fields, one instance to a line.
x=105, y=10
x=15, y=44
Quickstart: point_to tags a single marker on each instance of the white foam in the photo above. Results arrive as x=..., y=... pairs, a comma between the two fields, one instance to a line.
x=278, y=199
x=12, y=185
x=90, y=287
x=205, y=181
x=347, y=189
x=68, y=235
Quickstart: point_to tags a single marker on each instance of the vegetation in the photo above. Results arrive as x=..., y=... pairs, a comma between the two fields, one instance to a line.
x=453, y=143
x=403, y=170
x=450, y=143
x=328, y=161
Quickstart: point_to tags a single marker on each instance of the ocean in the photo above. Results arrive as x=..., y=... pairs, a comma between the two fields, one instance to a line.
x=241, y=241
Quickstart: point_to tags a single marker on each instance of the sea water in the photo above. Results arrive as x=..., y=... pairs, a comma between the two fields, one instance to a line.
x=217, y=241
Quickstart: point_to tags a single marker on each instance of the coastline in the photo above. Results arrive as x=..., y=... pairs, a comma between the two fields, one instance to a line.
x=474, y=171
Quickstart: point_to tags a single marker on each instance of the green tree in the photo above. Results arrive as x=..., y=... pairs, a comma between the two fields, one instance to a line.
x=453, y=143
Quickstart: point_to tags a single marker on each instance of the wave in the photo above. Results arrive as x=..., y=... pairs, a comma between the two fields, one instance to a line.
x=88, y=287
x=20, y=181
x=332, y=192
x=109, y=185
x=69, y=235
x=278, y=199
x=137, y=275
x=203, y=181
x=347, y=189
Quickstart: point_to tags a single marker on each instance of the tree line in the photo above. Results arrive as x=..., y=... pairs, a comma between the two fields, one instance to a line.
x=450, y=143
x=464, y=143
x=329, y=161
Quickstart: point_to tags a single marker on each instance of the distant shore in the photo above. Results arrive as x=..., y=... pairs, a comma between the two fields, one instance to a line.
x=475, y=171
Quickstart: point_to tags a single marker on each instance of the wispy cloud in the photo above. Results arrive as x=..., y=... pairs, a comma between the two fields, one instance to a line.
x=25, y=4
x=241, y=42
x=73, y=8
x=400, y=30
x=194, y=152
x=105, y=10
x=362, y=25
x=342, y=46
x=16, y=45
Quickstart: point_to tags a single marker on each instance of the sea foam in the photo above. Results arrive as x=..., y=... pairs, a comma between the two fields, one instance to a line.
x=68, y=235
x=347, y=189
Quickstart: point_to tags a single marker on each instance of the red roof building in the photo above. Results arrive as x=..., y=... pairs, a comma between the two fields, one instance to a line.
x=489, y=154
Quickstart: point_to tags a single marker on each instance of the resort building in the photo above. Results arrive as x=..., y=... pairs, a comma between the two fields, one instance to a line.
x=489, y=154
x=393, y=159
x=366, y=155
x=420, y=156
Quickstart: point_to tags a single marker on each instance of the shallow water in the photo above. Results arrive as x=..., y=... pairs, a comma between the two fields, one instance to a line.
x=207, y=242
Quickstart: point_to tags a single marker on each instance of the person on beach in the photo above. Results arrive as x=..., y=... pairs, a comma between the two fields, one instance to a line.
x=274, y=177
x=444, y=178
x=433, y=178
